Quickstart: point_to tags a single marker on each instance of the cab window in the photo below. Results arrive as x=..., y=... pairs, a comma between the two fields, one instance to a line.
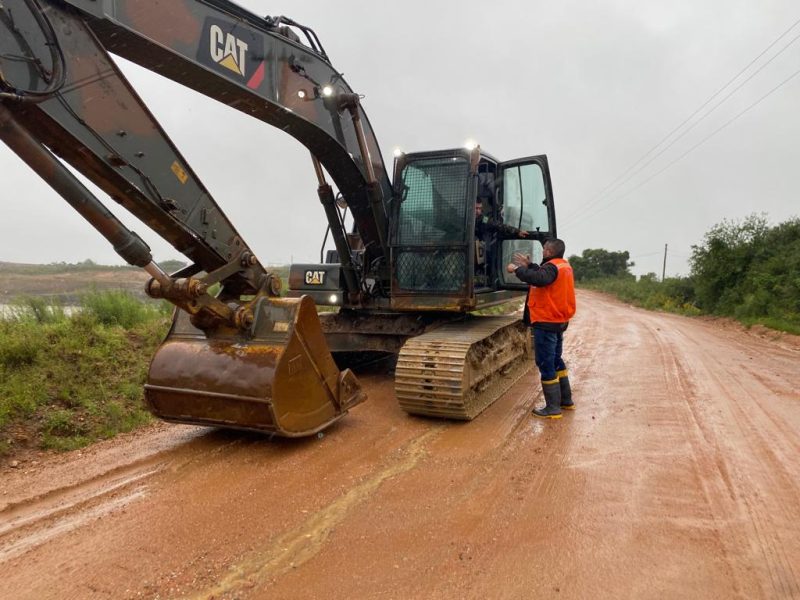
x=525, y=198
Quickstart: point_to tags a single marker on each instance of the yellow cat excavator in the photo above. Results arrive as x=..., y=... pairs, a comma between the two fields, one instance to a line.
x=405, y=276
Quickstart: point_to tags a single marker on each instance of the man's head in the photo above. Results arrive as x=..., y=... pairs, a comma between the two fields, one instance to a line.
x=553, y=248
x=479, y=207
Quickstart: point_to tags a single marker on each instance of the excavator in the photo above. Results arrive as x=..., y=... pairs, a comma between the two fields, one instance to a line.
x=404, y=278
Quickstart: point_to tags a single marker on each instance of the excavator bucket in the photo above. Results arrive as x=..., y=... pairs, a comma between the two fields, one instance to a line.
x=280, y=379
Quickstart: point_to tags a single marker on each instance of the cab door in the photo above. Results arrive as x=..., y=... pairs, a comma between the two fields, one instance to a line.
x=526, y=195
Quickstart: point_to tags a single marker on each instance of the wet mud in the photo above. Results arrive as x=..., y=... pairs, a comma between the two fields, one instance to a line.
x=677, y=476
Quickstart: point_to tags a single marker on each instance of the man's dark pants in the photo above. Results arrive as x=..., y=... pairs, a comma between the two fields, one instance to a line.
x=547, y=347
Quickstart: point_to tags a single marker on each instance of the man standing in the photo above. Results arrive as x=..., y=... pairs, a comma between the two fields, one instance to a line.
x=549, y=307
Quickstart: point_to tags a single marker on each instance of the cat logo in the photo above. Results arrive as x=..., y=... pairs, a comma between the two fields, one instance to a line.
x=227, y=50
x=315, y=277
x=233, y=50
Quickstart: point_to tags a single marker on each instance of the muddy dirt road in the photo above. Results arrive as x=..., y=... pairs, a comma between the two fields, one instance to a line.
x=678, y=476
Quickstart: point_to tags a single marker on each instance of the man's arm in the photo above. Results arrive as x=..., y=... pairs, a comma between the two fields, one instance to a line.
x=503, y=230
x=537, y=276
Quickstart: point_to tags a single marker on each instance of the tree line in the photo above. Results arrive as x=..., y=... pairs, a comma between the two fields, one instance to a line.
x=747, y=269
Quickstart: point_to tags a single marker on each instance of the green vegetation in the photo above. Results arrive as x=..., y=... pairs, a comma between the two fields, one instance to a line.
x=750, y=271
x=674, y=294
x=36, y=308
x=747, y=270
x=596, y=263
x=69, y=377
x=69, y=380
x=122, y=309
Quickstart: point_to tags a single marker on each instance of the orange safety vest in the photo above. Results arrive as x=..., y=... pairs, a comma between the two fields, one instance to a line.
x=554, y=303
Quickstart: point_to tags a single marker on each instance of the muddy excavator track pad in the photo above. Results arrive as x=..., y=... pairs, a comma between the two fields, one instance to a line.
x=279, y=377
x=459, y=369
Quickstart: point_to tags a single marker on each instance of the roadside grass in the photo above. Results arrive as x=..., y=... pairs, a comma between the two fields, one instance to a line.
x=676, y=295
x=672, y=295
x=791, y=325
x=69, y=380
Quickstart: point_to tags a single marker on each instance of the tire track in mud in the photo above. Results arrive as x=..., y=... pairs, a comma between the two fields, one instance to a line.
x=759, y=512
x=789, y=436
x=305, y=541
x=35, y=520
x=733, y=490
x=713, y=474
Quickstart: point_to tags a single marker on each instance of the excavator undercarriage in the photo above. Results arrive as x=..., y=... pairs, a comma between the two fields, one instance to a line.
x=459, y=369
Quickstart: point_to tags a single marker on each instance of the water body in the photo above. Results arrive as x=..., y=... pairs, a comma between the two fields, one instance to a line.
x=9, y=310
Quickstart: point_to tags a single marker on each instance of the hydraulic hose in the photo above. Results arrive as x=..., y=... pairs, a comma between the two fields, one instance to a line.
x=58, y=75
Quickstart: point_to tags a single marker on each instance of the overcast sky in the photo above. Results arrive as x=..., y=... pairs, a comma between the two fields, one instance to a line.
x=594, y=85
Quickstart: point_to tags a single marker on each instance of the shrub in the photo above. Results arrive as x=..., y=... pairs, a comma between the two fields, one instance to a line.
x=36, y=308
x=749, y=269
x=117, y=308
x=596, y=263
x=20, y=344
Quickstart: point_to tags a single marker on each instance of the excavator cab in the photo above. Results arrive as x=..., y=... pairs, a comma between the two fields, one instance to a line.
x=440, y=261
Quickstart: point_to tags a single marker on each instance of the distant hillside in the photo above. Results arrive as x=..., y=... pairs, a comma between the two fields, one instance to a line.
x=87, y=265
x=68, y=281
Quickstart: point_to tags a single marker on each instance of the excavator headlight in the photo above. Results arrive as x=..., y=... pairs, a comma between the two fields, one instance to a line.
x=301, y=94
x=333, y=299
x=470, y=144
x=398, y=152
x=327, y=91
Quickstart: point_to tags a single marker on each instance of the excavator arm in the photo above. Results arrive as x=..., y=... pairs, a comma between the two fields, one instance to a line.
x=59, y=83
x=64, y=100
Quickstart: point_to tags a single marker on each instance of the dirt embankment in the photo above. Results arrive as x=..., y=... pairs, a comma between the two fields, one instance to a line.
x=677, y=476
x=66, y=285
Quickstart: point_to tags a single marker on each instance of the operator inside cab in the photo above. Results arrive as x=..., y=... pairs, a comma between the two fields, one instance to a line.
x=489, y=228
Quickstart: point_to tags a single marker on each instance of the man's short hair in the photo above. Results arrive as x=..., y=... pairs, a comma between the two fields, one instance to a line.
x=557, y=246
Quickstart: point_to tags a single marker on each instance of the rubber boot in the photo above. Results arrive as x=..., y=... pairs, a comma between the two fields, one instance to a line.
x=566, y=390
x=552, y=399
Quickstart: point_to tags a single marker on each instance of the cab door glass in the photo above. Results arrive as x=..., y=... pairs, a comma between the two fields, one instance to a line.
x=525, y=198
x=531, y=248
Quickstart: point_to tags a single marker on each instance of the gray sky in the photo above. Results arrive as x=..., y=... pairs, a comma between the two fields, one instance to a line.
x=594, y=85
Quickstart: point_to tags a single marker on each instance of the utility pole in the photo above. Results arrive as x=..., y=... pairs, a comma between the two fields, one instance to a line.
x=664, y=267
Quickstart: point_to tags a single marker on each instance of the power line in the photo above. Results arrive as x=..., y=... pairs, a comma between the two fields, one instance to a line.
x=713, y=108
x=615, y=184
x=645, y=255
x=697, y=145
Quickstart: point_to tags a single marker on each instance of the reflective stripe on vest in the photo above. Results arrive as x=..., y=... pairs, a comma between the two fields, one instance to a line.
x=554, y=303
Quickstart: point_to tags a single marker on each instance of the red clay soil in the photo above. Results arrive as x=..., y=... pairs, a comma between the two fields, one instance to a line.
x=677, y=476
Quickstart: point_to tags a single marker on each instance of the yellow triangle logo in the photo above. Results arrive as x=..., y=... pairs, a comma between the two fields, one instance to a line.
x=230, y=63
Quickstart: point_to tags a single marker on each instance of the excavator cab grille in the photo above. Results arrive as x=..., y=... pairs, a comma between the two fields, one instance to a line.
x=433, y=203
x=429, y=243
x=437, y=271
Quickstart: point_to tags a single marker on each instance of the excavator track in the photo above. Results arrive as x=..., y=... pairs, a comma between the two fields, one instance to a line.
x=459, y=369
